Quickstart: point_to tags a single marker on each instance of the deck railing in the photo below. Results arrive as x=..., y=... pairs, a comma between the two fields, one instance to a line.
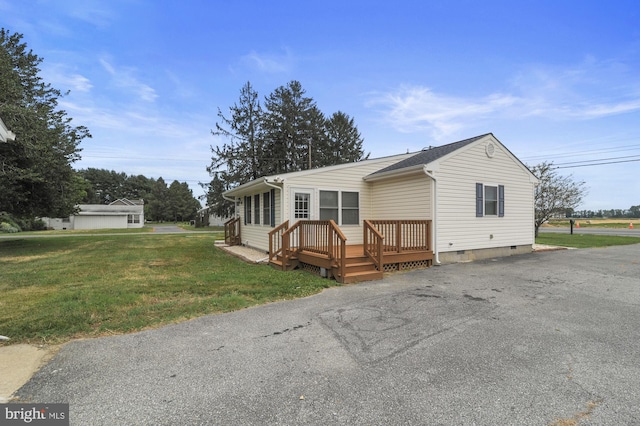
x=275, y=240
x=403, y=235
x=232, y=232
x=373, y=244
x=322, y=237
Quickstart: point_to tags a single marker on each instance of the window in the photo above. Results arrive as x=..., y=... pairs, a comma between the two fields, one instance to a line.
x=489, y=200
x=256, y=207
x=247, y=210
x=350, y=208
x=301, y=205
x=133, y=218
x=266, y=208
x=341, y=207
x=329, y=205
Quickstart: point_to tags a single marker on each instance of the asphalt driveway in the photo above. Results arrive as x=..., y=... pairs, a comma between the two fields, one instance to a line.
x=526, y=340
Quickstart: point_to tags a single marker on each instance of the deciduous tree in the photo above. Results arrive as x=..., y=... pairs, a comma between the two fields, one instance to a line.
x=555, y=193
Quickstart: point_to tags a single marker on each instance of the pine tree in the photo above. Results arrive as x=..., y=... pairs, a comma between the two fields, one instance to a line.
x=241, y=156
x=294, y=129
x=36, y=176
x=290, y=134
x=343, y=141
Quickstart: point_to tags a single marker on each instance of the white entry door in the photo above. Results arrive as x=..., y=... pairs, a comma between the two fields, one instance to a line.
x=301, y=204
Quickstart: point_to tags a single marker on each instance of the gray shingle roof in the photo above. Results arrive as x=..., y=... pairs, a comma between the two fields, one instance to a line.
x=428, y=155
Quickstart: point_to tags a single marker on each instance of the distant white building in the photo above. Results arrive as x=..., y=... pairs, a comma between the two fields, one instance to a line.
x=120, y=214
x=206, y=218
x=6, y=134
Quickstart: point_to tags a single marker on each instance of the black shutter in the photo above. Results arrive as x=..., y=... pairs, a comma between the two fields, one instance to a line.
x=501, y=200
x=479, y=199
x=273, y=207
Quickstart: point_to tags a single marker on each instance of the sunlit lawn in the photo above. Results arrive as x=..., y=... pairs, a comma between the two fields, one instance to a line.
x=55, y=289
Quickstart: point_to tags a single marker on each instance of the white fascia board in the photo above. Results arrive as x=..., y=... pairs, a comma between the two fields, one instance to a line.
x=418, y=168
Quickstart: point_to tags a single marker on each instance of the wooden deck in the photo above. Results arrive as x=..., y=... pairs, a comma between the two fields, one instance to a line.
x=320, y=247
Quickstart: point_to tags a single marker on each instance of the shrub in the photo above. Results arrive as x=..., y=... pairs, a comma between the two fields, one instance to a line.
x=8, y=228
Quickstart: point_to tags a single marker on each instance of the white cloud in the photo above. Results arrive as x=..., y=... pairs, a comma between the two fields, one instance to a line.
x=269, y=63
x=124, y=78
x=65, y=79
x=417, y=108
x=581, y=92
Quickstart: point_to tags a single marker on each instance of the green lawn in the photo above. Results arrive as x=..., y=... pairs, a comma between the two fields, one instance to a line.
x=584, y=240
x=56, y=289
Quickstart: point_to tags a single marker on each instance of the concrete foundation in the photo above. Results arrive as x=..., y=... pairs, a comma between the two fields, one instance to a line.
x=479, y=254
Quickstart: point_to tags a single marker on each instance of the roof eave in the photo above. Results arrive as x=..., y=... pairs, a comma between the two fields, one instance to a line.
x=266, y=181
x=417, y=169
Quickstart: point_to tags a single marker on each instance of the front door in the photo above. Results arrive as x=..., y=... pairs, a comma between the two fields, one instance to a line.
x=301, y=204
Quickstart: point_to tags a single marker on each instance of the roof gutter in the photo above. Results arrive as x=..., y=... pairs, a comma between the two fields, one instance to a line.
x=434, y=209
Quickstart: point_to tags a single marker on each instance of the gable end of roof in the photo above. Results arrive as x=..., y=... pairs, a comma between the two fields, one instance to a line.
x=429, y=155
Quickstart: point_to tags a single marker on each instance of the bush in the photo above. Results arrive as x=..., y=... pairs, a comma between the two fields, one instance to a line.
x=20, y=224
x=8, y=223
x=6, y=227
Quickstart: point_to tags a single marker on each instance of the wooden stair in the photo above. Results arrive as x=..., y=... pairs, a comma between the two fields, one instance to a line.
x=358, y=268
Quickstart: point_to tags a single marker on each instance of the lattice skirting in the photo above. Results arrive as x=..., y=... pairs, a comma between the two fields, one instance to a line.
x=403, y=266
x=310, y=268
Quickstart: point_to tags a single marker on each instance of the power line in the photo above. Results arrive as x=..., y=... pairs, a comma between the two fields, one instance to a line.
x=598, y=164
x=626, y=157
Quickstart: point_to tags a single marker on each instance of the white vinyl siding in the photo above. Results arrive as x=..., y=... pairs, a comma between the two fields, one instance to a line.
x=402, y=198
x=346, y=177
x=458, y=227
x=257, y=236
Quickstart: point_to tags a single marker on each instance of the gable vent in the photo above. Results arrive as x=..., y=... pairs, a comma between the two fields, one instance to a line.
x=490, y=150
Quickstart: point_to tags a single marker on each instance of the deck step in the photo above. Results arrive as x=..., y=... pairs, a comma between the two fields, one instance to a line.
x=356, y=277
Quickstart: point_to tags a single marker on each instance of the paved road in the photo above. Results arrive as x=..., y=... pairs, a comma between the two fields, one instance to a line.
x=624, y=232
x=524, y=340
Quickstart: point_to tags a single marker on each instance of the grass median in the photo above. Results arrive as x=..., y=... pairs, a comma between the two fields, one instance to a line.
x=57, y=289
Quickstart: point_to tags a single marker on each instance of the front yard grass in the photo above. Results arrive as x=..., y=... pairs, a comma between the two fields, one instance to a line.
x=57, y=289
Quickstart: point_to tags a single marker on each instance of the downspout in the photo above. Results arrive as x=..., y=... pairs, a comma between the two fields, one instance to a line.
x=434, y=204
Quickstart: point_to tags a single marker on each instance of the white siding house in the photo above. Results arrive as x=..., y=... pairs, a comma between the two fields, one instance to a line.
x=5, y=134
x=478, y=195
x=120, y=214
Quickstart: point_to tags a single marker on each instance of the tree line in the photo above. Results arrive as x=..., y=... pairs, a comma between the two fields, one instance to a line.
x=163, y=203
x=632, y=212
x=289, y=133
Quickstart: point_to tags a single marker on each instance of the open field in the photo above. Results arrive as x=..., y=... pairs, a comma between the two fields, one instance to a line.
x=596, y=223
x=56, y=289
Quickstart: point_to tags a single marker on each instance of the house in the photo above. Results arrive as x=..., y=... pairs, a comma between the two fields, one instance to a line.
x=466, y=200
x=120, y=214
x=6, y=134
x=206, y=217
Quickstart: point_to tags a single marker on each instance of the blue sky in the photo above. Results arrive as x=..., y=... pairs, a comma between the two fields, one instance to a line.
x=553, y=80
